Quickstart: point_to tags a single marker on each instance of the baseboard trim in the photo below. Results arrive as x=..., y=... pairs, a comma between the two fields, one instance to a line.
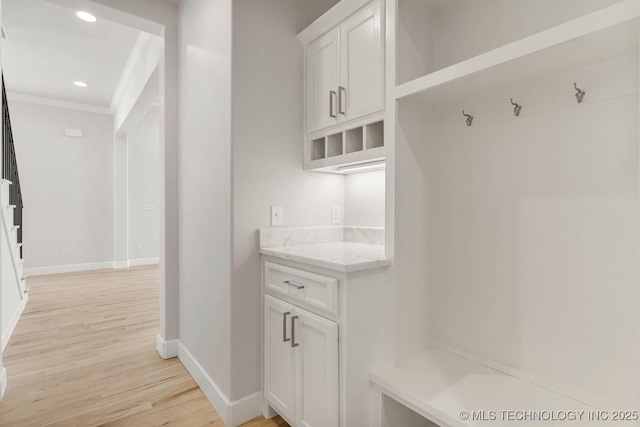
x=70, y=268
x=210, y=389
x=13, y=322
x=245, y=409
x=120, y=265
x=3, y=382
x=233, y=413
x=166, y=349
x=143, y=261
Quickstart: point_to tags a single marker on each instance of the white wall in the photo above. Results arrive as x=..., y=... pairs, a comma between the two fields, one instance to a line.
x=143, y=145
x=267, y=162
x=205, y=186
x=364, y=199
x=67, y=184
x=542, y=213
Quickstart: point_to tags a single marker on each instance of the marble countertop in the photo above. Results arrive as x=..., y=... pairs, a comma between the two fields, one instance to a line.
x=340, y=256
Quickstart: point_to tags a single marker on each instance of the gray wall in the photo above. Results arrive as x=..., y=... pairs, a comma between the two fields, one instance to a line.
x=267, y=161
x=241, y=153
x=143, y=187
x=67, y=184
x=205, y=185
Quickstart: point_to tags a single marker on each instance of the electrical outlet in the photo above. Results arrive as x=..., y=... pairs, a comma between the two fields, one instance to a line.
x=276, y=216
x=335, y=214
x=139, y=247
x=65, y=251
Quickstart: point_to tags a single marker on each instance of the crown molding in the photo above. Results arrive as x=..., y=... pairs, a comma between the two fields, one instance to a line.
x=135, y=58
x=50, y=102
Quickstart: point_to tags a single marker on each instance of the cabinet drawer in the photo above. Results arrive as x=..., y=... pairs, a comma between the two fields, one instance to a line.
x=310, y=289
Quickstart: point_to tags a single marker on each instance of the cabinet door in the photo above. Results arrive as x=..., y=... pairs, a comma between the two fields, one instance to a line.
x=278, y=356
x=322, y=74
x=316, y=370
x=362, y=86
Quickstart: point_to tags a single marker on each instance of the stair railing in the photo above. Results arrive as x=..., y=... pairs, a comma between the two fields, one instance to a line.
x=10, y=168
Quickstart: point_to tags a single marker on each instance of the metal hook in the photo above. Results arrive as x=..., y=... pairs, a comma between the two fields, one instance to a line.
x=469, y=118
x=517, y=108
x=579, y=94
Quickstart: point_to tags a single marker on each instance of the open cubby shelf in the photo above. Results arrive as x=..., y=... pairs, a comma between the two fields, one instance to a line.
x=595, y=37
x=318, y=150
x=354, y=145
x=354, y=141
x=335, y=145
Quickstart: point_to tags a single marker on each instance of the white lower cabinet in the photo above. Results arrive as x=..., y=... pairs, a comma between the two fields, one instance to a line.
x=301, y=365
x=278, y=356
x=323, y=334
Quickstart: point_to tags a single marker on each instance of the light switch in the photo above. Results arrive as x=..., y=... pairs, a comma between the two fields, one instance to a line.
x=335, y=214
x=276, y=216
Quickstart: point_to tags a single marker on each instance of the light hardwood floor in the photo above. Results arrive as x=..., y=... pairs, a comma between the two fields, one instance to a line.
x=83, y=354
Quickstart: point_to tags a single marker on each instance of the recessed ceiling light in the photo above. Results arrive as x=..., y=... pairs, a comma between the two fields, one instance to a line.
x=86, y=16
x=80, y=84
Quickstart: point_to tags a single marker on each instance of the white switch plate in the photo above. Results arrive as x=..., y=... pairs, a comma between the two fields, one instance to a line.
x=335, y=214
x=276, y=216
x=65, y=251
x=139, y=247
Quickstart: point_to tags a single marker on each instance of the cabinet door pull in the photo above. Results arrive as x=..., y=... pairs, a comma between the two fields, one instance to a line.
x=332, y=96
x=284, y=327
x=341, y=99
x=293, y=332
x=290, y=283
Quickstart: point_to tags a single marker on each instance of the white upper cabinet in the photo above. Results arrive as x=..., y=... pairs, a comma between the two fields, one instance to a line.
x=323, y=71
x=344, y=70
x=361, y=55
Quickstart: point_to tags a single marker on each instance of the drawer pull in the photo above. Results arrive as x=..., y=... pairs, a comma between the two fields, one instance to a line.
x=284, y=327
x=290, y=283
x=293, y=332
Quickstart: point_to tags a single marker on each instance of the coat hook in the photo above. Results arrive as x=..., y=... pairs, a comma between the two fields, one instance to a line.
x=517, y=108
x=469, y=118
x=579, y=94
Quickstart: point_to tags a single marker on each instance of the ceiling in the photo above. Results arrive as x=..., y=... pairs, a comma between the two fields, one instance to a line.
x=49, y=48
